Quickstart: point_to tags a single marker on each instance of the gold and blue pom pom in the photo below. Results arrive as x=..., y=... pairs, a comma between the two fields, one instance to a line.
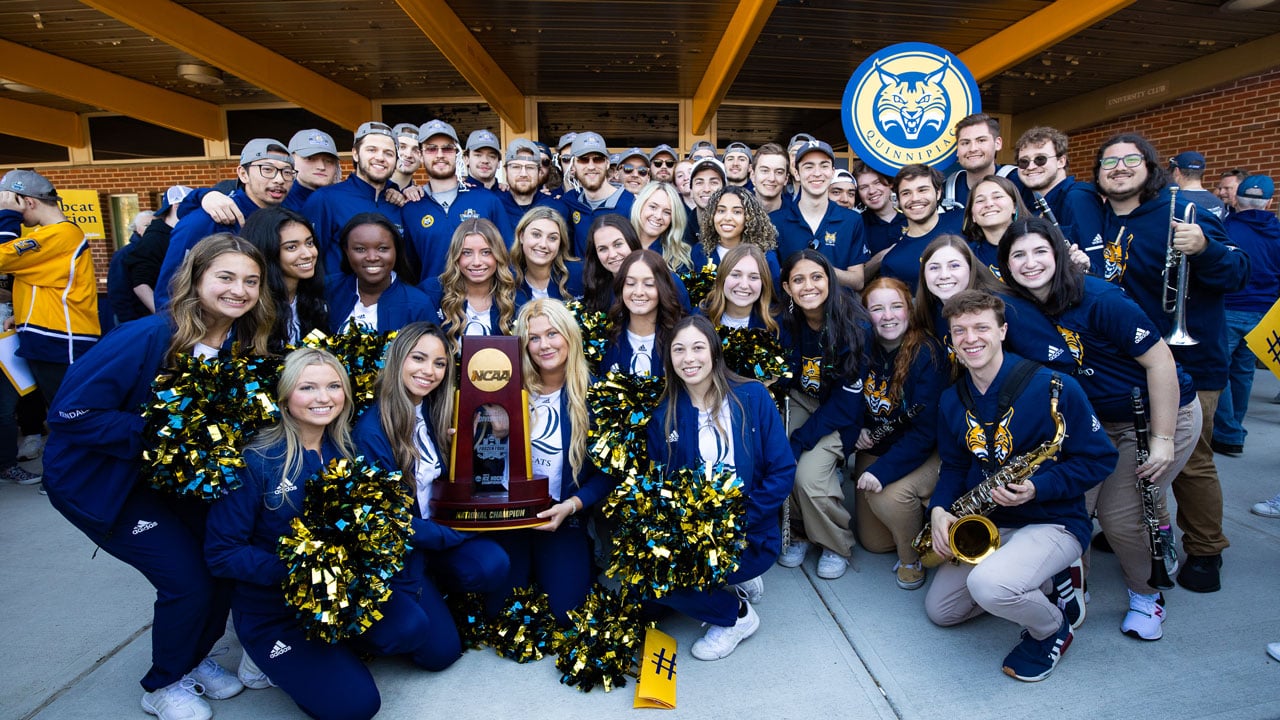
x=699, y=283
x=360, y=350
x=620, y=406
x=350, y=539
x=754, y=353
x=596, y=329
x=200, y=413
x=524, y=630
x=601, y=644
x=676, y=529
x=467, y=609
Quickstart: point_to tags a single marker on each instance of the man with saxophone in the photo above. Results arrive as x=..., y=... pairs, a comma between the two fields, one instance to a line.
x=1020, y=443
x=1147, y=237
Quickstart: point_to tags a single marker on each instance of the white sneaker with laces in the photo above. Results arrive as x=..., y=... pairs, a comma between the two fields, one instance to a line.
x=1145, y=616
x=30, y=447
x=752, y=590
x=793, y=556
x=251, y=675
x=831, y=565
x=1267, y=508
x=218, y=684
x=720, y=642
x=179, y=701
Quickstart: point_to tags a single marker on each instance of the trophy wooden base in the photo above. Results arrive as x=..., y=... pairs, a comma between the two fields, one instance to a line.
x=511, y=510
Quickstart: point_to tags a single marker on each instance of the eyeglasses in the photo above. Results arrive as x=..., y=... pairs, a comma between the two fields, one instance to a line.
x=1039, y=160
x=270, y=171
x=522, y=167
x=439, y=150
x=564, y=160
x=630, y=169
x=663, y=163
x=1130, y=161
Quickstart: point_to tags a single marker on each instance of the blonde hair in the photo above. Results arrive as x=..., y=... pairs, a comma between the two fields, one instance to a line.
x=396, y=409
x=576, y=374
x=253, y=329
x=453, y=302
x=338, y=430
x=675, y=251
x=716, y=303
x=564, y=255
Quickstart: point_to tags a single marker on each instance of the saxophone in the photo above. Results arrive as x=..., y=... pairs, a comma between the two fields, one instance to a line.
x=974, y=537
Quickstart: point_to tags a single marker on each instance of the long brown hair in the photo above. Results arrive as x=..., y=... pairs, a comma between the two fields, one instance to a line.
x=722, y=378
x=669, y=310
x=980, y=278
x=559, y=266
x=716, y=303
x=396, y=409
x=503, y=284
x=915, y=339
x=253, y=329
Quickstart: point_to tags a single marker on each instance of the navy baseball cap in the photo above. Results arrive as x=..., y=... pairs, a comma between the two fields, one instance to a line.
x=811, y=146
x=1258, y=187
x=1189, y=160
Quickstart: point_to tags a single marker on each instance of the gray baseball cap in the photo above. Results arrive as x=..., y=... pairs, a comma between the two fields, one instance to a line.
x=738, y=147
x=431, y=128
x=405, y=129
x=306, y=143
x=587, y=143
x=483, y=139
x=566, y=139
x=28, y=183
x=263, y=148
x=629, y=153
x=664, y=148
x=520, y=146
x=373, y=127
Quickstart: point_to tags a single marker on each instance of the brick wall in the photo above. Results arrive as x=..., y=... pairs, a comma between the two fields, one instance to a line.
x=1233, y=125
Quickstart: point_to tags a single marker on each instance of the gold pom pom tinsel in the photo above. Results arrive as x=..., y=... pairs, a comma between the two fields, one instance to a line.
x=524, y=630
x=595, y=332
x=699, y=283
x=621, y=404
x=360, y=351
x=601, y=645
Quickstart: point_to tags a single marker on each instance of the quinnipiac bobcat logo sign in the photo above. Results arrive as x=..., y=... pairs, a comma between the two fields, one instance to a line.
x=901, y=103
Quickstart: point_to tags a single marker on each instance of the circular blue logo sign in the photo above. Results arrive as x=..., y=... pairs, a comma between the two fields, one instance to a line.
x=901, y=103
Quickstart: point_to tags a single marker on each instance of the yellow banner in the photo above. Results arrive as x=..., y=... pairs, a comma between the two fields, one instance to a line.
x=657, y=685
x=83, y=208
x=1264, y=339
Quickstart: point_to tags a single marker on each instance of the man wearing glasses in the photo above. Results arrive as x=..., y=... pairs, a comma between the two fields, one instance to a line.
x=633, y=169
x=524, y=189
x=564, y=160
x=1136, y=232
x=595, y=196
x=376, y=158
x=429, y=223
x=662, y=163
x=265, y=174
x=1042, y=168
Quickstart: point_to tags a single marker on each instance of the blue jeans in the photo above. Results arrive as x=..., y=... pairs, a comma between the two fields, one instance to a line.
x=1228, y=421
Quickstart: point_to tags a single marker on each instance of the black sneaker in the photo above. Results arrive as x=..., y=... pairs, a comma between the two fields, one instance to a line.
x=1200, y=573
x=1069, y=595
x=1228, y=449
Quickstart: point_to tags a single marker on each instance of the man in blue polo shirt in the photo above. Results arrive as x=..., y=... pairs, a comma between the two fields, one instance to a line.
x=523, y=189
x=429, y=223
x=329, y=208
x=813, y=221
x=595, y=196
x=265, y=173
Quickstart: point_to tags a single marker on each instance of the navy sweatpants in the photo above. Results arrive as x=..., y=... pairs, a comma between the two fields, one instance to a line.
x=559, y=562
x=163, y=538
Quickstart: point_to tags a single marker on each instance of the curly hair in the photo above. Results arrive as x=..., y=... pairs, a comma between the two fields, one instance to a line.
x=502, y=284
x=757, y=230
x=564, y=254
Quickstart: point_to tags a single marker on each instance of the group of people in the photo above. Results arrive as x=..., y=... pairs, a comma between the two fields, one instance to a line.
x=995, y=334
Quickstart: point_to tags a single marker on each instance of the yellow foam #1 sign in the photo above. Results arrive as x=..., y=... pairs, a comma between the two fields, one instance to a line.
x=657, y=685
x=1264, y=339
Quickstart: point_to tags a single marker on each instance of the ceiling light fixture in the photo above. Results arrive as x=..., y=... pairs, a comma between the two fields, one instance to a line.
x=1244, y=5
x=12, y=86
x=200, y=74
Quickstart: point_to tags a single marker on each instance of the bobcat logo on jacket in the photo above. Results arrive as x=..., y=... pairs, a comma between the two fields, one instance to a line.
x=876, y=392
x=976, y=437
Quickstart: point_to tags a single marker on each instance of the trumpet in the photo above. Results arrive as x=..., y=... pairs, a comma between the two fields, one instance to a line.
x=1175, y=263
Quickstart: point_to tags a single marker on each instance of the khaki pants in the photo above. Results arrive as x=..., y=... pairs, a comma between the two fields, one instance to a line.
x=1119, y=503
x=817, y=495
x=891, y=519
x=1197, y=490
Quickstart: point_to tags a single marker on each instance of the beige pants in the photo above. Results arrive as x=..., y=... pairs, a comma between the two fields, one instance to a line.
x=817, y=497
x=891, y=519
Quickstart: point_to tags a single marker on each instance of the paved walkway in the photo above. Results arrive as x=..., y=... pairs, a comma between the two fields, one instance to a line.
x=77, y=638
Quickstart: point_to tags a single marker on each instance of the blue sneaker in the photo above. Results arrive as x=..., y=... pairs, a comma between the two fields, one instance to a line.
x=1068, y=593
x=1032, y=660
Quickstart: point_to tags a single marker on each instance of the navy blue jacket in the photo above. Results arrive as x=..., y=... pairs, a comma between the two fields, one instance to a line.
x=760, y=455
x=903, y=261
x=581, y=215
x=573, y=283
x=840, y=399
x=1134, y=259
x=1078, y=209
x=840, y=237
x=399, y=305
x=700, y=259
x=329, y=208
x=904, y=450
x=619, y=353
x=1086, y=458
x=591, y=484
x=428, y=227
x=515, y=211
x=1257, y=233
x=435, y=295
x=882, y=235
x=125, y=305
x=190, y=230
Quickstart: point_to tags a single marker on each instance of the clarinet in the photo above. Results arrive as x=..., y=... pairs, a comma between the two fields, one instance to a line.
x=892, y=425
x=1046, y=212
x=1150, y=493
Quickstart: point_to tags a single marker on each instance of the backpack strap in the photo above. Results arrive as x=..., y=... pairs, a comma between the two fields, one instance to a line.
x=1014, y=385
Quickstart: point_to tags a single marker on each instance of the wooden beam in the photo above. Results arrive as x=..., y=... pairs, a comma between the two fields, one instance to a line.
x=739, y=37
x=452, y=38
x=196, y=35
x=1154, y=89
x=1039, y=30
x=36, y=122
x=99, y=88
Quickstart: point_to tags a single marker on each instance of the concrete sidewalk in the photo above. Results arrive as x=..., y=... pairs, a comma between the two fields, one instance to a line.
x=77, y=639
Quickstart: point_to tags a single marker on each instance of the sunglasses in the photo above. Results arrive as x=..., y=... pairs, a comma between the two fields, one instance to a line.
x=631, y=169
x=564, y=160
x=1039, y=160
x=1130, y=161
x=664, y=163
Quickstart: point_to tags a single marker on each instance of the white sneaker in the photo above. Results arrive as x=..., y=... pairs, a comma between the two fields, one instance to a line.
x=831, y=565
x=793, y=556
x=1273, y=649
x=30, y=447
x=251, y=675
x=179, y=701
x=752, y=590
x=1146, y=614
x=218, y=684
x=1267, y=508
x=720, y=642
